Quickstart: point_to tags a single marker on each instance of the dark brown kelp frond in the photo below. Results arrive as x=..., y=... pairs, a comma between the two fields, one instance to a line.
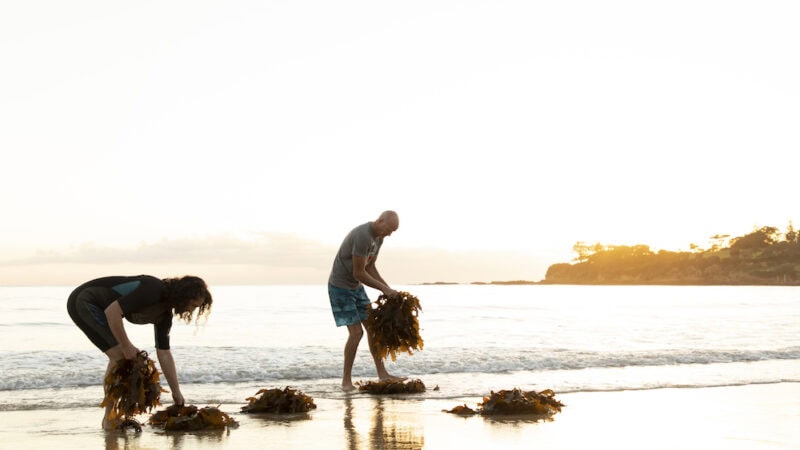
x=160, y=418
x=279, y=401
x=132, y=388
x=214, y=418
x=393, y=324
x=130, y=423
x=514, y=402
x=461, y=410
x=392, y=387
x=517, y=401
x=189, y=418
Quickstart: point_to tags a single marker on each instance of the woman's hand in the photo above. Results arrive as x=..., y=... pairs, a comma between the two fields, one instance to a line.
x=177, y=397
x=129, y=351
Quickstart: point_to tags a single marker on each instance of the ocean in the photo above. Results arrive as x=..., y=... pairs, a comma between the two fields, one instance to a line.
x=478, y=338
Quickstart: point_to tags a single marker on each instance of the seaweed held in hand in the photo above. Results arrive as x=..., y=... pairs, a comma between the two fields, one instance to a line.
x=190, y=418
x=132, y=388
x=280, y=401
x=392, y=387
x=517, y=401
x=393, y=324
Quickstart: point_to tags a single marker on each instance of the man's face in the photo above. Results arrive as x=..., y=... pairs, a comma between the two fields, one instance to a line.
x=385, y=228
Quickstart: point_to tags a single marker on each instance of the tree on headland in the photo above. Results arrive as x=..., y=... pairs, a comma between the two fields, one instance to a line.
x=758, y=239
x=763, y=256
x=791, y=234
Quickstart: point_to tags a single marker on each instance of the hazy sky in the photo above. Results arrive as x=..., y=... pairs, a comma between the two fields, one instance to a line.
x=241, y=141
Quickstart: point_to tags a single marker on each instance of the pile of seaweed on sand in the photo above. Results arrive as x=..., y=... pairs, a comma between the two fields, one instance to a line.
x=190, y=418
x=514, y=402
x=131, y=388
x=279, y=401
x=393, y=324
x=392, y=387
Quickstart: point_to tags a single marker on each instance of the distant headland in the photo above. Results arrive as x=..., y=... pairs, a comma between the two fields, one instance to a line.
x=766, y=256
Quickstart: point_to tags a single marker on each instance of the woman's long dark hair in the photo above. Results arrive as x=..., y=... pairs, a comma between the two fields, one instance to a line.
x=180, y=291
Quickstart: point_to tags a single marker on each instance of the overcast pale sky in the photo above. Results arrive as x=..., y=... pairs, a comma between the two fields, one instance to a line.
x=241, y=141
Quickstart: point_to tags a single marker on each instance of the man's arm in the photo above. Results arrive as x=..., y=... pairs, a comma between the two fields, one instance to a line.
x=372, y=270
x=368, y=274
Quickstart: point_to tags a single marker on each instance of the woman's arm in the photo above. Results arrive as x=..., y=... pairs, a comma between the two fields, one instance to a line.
x=114, y=318
x=168, y=369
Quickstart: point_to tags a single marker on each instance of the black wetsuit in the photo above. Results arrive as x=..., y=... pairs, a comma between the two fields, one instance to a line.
x=138, y=296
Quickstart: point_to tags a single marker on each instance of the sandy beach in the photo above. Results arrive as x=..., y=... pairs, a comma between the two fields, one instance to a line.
x=735, y=417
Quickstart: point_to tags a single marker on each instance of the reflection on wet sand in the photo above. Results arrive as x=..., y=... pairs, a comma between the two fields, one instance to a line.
x=280, y=419
x=350, y=432
x=388, y=431
x=117, y=440
x=390, y=428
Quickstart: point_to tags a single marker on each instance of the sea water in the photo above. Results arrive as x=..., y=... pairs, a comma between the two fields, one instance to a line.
x=478, y=338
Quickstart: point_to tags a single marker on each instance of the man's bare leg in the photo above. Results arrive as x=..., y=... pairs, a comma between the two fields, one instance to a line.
x=355, y=332
x=383, y=375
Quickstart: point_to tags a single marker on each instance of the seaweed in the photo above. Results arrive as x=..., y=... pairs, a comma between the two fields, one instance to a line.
x=392, y=387
x=131, y=388
x=190, y=418
x=461, y=410
x=280, y=401
x=393, y=324
x=514, y=402
x=130, y=423
x=517, y=401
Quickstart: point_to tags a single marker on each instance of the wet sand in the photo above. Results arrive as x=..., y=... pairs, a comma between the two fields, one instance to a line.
x=735, y=417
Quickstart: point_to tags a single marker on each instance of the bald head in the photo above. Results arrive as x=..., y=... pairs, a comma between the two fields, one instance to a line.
x=386, y=224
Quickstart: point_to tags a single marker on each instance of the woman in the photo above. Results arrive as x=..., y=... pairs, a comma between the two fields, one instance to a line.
x=98, y=306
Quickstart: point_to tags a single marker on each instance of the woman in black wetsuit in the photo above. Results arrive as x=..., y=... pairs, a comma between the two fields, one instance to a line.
x=98, y=306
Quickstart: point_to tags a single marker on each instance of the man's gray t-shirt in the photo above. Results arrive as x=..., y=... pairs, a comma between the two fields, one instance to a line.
x=359, y=242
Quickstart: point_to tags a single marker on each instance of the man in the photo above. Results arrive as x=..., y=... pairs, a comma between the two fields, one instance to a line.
x=354, y=267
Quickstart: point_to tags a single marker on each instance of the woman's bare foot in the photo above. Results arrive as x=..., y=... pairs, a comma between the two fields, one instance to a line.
x=348, y=387
x=109, y=425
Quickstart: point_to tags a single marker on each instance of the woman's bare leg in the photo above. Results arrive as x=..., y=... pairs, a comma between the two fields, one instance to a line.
x=114, y=354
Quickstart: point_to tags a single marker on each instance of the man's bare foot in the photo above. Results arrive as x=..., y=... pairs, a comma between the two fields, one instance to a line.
x=388, y=377
x=348, y=387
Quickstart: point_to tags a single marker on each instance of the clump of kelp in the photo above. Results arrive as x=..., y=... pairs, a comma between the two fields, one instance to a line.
x=190, y=418
x=280, y=401
x=393, y=324
x=462, y=410
x=132, y=388
x=392, y=387
x=514, y=402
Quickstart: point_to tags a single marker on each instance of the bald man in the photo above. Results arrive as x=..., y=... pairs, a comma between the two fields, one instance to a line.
x=354, y=267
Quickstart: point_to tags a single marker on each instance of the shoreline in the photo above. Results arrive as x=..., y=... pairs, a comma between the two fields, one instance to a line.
x=638, y=283
x=732, y=417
